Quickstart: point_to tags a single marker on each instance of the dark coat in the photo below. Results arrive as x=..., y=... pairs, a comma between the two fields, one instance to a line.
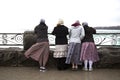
x=41, y=32
x=89, y=31
x=60, y=32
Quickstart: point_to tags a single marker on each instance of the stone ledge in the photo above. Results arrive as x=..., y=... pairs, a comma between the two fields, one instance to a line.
x=109, y=58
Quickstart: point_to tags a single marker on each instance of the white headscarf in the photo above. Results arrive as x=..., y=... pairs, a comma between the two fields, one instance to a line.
x=85, y=23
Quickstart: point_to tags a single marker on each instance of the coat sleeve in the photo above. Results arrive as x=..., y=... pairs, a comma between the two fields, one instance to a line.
x=93, y=30
x=82, y=33
x=69, y=33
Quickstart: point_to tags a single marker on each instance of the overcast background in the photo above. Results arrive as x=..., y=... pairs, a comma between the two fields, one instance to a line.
x=22, y=15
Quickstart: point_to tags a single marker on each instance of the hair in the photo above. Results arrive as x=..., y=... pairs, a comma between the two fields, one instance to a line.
x=60, y=22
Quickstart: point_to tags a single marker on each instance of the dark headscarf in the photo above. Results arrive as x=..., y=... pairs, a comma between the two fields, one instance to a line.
x=41, y=29
x=77, y=23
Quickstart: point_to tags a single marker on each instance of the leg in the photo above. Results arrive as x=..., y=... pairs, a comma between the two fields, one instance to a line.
x=76, y=66
x=90, y=65
x=40, y=61
x=64, y=65
x=44, y=57
x=45, y=54
x=86, y=65
x=73, y=65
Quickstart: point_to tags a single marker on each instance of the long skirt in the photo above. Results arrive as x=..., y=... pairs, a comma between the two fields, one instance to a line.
x=60, y=54
x=73, y=55
x=39, y=52
x=89, y=52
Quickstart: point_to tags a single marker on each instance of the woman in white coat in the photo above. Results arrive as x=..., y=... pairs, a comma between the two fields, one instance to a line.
x=76, y=35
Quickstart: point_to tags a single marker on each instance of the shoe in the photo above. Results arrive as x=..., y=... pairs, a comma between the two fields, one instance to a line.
x=42, y=69
x=74, y=69
x=85, y=69
x=91, y=69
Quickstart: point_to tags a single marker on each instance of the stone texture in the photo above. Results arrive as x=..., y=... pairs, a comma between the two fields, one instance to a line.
x=15, y=57
x=29, y=39
x=109, y=57
x=9, y=56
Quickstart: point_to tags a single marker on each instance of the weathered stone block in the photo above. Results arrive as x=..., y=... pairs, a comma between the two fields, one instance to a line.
x=8, y=57
x=29, y=39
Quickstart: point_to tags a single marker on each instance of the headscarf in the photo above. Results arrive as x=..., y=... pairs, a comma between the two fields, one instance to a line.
x=77, y=23
x=84, y=24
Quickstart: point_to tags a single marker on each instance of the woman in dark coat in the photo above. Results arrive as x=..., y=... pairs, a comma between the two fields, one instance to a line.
x=88, y=50
x=61, y=45
x=40, y=50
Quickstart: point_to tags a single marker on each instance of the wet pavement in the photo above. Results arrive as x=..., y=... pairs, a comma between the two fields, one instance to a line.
x=33, y=73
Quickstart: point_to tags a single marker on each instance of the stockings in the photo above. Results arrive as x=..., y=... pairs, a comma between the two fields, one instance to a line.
x=86, y=62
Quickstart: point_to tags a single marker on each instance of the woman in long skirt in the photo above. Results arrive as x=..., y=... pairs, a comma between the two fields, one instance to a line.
x=40, y=50
x=61, y=45
x=76, y=35
x=89, y=53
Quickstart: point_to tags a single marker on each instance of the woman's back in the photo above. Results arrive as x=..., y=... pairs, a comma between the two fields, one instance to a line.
x=89, y=31
x=61, y=33
x=76, y=34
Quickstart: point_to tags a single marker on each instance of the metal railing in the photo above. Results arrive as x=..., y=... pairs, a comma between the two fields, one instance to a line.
x=107, y=39
x=101, y=39
x=11, y=39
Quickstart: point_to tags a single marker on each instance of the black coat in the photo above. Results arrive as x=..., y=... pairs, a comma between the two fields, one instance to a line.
x=89, y=31
x=41, y=32
x=60, y=33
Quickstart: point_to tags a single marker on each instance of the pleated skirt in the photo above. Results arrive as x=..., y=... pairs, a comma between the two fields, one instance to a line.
x=73, y=55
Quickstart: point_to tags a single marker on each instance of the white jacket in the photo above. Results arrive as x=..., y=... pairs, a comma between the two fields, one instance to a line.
x=76, y=34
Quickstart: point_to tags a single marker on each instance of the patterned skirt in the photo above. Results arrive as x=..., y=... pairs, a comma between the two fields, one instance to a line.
x=60, y=51
x=73, y=55
x=89, y=52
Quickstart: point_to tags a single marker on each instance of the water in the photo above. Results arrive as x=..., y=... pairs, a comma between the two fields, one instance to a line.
x=108, y=31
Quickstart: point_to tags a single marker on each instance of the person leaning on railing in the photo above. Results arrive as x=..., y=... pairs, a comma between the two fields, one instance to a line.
x=40, y=50
x=61, y=44
x=89, y=52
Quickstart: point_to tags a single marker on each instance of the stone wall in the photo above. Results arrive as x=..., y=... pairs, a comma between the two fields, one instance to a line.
x=15, y=57
x=109, y=56
x=29, y=39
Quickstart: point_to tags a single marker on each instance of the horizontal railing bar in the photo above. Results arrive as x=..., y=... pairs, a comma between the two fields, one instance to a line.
x=114, y=39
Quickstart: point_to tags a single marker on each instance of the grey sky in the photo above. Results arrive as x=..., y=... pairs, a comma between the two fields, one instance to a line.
x=22, y=15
